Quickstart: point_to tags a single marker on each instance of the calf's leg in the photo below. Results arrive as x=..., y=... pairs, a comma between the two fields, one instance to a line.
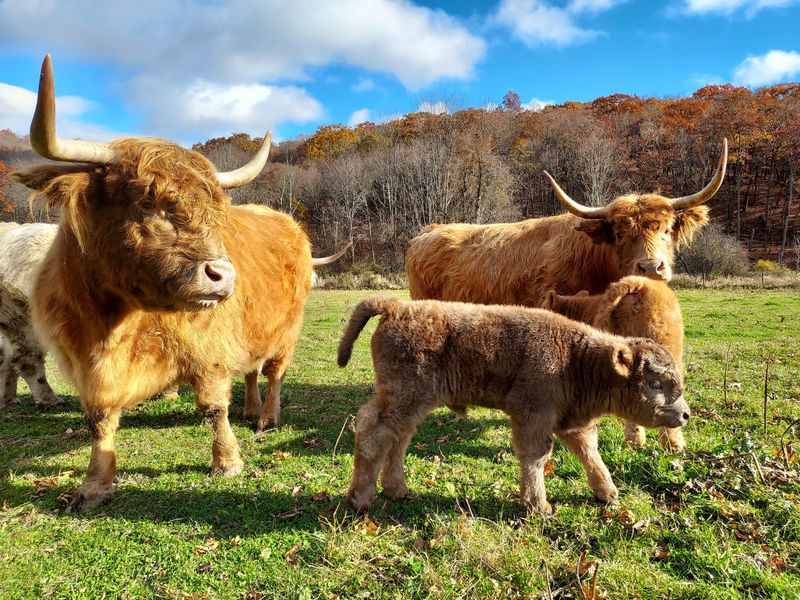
x=393, y=479
x=583, y=443
x=213, y=397
x=672, y=438
x=634, y=434
x=99, y=481
x=533, y=449
x=29, y=363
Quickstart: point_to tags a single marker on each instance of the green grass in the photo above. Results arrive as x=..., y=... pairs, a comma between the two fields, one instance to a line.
x=686, y=526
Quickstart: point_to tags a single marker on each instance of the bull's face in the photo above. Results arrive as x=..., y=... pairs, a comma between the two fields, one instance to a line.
x=147, y=215
x=656, y=385
x=643, y=232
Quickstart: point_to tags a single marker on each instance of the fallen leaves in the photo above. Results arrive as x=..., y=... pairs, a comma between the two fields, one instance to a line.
x=207, y=547
x=289, y=554
x=47, y=483
x=625, y=518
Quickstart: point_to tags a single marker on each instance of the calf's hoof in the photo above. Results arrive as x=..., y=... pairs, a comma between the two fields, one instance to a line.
x=6, y=402
x=360, y=502
x=395, y=491
x=673, y=440
x=252, y=416
x=540, y=508
x=86, y=497
x=607, y=495
x=228, y=468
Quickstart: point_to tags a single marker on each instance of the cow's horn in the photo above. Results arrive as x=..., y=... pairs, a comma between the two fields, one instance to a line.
x=246, y=174
x=579, y=210
x=43, y=128
x=707, y=192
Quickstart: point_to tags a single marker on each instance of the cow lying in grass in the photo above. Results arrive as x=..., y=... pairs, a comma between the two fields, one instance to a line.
x=632, y=307
x=22, y=250
x=549, y=374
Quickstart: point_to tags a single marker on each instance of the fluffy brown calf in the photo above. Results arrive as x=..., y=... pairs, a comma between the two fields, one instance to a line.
x=632, y=307
x=155, y=278
x=549, y=374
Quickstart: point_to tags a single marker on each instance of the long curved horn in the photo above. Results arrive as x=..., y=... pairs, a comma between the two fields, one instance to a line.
x=43, y=128
x=579, y=210
x=707, y=192
x=246, y=174
x=326, y=260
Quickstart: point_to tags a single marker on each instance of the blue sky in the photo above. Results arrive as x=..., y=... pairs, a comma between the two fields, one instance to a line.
x=193, y=69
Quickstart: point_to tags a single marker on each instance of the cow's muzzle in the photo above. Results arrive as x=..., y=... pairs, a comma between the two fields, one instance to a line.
x=215, y=278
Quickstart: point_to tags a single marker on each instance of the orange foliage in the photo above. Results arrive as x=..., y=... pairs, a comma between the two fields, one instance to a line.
x=330, y=140
x=6, y=205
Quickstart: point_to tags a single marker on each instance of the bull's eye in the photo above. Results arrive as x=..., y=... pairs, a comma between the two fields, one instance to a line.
x=656, y=385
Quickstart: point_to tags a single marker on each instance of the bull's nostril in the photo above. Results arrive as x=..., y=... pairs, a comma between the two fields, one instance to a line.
x=685, y=416
x=660, y=268
x=212, y=274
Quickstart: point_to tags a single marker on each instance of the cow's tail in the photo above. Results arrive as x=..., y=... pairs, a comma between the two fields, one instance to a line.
x=362, y=313
x=326, y=260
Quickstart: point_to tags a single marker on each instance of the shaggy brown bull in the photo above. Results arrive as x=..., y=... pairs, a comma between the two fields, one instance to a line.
x=550, y=374
x=632, y=307
x=155, y=278
x=516, y=263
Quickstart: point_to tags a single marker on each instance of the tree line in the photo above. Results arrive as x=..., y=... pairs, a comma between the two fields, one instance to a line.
x=378, y=185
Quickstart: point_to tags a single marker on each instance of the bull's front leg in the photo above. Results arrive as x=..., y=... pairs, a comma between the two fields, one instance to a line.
x=252, y=398
x=583, y=443
x=99, y=481
x=213, y=399
x=8, y=376
x=533, y=449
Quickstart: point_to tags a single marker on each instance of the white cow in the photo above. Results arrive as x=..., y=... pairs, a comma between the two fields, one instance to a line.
x=22, y=249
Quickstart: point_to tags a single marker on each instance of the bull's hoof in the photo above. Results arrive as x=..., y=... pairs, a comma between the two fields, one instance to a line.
x=543, y=508
x=266, y=425
x=252, y=417
x=229, y=468
x=82, y=500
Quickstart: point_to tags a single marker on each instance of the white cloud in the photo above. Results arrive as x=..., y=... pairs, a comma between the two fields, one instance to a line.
x=536, y=105
x=538, y=22
x=17, y=105
x=364, y=84
x=362, y=115
x=244, y=50
x=751, y=7
x=435, y=108
x=773, y=67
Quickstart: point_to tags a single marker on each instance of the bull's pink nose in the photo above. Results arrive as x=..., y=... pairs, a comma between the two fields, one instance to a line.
x=655, y=269
x=219, y=277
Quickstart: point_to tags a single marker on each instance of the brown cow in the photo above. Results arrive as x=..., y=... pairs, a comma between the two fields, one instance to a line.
x=155, y=278
x=516, y=263
x=632, y=307
x=550, y=374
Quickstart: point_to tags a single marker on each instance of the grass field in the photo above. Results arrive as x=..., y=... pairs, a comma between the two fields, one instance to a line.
x=721, y=521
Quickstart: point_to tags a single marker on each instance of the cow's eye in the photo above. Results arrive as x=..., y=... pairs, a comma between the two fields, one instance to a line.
x=656, y=385
x=147, y=204
x=618, y=237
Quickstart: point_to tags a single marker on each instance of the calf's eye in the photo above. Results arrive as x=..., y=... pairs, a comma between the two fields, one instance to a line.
x=656, y=385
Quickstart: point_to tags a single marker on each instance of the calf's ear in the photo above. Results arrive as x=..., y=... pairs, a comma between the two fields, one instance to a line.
x=550, y=300
x=622, y=359
x=688, y=223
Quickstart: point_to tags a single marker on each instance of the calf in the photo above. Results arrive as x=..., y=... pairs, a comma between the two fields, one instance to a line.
x=632, y=307
x=549, y=374
x=22, y=250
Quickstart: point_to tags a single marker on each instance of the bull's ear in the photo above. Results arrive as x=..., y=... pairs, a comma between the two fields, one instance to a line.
x=65, y=187
x=622, y=359
x=687, y=224
x=599, y=230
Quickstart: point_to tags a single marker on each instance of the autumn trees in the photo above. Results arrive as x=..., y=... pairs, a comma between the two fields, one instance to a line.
x=377, y=185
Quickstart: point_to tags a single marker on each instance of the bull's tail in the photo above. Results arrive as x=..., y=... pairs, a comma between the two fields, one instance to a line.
x=326, y=260
x=362, y=313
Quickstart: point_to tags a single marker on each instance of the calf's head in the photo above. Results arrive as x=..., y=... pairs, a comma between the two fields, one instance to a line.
x=654, y=384
x=644, y=231
x=146, y=214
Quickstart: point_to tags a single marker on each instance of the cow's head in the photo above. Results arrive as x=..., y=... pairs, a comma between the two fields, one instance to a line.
x=645, y=230
x=146, y=214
